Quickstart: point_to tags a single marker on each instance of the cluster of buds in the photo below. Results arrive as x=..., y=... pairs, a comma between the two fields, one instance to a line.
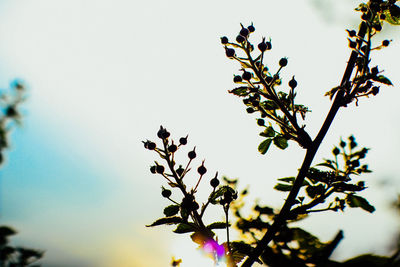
x=364, y=82
x=259, y=90
x=175, y=175
x=187, y=213
x=167, y=152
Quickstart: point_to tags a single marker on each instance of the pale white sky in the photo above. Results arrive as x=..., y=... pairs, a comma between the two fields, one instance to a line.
x=103, y=75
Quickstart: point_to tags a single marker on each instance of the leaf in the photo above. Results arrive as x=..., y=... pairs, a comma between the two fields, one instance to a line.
x=245, y=65
x=171, y=184
x=369, y=260
x=281, y=142
x=307, y=241
x=360, y=6
x=213, y=196
x=184, y=213
x=171, y=210
x=264, y=146
x=359, y=202
x=313, y=191
x=29, y=253
x=331, y=93
x=269, y=105
x=198, y=238
x=287, y=179
x=268, y=132
x=283, y=187
x=264, y=210
x=168, y=220
x=342, y=186
x=184, y=228
x=328, y=165
x=393, y=15
x=6, y=231
x=240, y=250
x=240, y=91
x=217, y=225
x=382, y=79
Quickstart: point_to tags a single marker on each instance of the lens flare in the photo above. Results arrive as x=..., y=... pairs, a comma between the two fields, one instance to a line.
x=214, y=250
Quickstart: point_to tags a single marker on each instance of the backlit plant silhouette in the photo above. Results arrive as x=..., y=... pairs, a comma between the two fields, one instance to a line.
x=10, y=100
x=331, y=185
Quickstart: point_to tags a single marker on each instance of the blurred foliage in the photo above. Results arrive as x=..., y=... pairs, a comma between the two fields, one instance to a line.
x=10, y=100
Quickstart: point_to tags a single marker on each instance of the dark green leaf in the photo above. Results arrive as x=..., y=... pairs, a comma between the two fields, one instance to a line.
x=280, y=142
x=287, y=179
x=382, y=79
x=283, y=187
x=213, y=196
x=169, y=220
x=217, y=225
x=171, y=210
x=393, y=15
x=313, y=191
x=360, y=6
x=263, y=147
x=342, y=186
x=240, y=250
x=240, y=91
x=332, y=92
x=328, y=165
x=264, y=210
x=184, y=213
x=184, y=228
x=306, y=241
x=359, y=202
x=269, y=105
x=268, y=132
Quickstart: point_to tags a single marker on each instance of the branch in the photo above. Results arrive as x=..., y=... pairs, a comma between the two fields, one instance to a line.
x=310, y=154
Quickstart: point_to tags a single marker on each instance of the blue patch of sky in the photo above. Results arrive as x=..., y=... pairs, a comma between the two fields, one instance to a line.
x=37, y=175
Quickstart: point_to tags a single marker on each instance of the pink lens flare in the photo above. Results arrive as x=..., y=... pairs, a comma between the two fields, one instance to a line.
x=211, y=246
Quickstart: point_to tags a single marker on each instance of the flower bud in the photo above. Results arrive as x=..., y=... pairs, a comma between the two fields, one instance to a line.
x=230, y=52
x=237, y=79
x=292, y=83
x=192, y=154
x=240, y=39
x=166, y=193
x=244, y=32
x=251, y=28
x=202, y=170
x=283, y=62
x=183, y=140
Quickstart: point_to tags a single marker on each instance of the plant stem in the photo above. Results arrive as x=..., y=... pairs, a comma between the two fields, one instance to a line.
x=310, y=154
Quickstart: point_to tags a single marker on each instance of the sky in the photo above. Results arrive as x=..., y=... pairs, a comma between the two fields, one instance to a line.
x=104, y=75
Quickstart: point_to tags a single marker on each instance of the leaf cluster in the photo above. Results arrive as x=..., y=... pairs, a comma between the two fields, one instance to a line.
x=336, y=179
x=10, y=115
x=11, y=256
